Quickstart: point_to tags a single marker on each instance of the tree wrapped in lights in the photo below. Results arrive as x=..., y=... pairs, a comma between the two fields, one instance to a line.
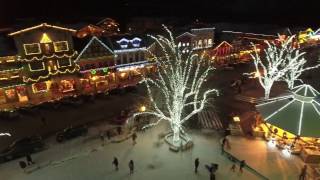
x=297, y=60
x=280, y=62
x=176, y=94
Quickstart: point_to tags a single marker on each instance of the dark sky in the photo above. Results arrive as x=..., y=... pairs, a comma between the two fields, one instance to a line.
x=286, y=12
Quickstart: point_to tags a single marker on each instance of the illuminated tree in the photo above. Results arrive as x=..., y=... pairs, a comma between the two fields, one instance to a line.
x=279, y=62
x=177, y=93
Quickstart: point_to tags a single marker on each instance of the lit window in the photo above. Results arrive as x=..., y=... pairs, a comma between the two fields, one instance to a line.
x=183, y=51
x=45, y=38
x=200, y=43
x=183, y=44
x=61, y=46
x=187, y=44
x=210, y=42
x=179, y=45
x=32, y=48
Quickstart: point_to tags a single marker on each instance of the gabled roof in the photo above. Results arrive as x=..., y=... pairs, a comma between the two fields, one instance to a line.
x=94, y=39
x=186, y=34
x=43, y=25
x=222, y=43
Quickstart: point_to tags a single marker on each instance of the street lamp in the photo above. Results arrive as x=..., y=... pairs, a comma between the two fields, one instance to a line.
x=142, y=109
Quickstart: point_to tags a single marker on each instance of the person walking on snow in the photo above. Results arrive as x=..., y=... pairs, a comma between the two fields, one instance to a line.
x=134, y=137
x=115, y=163
x=196, y=165
x=131, y=166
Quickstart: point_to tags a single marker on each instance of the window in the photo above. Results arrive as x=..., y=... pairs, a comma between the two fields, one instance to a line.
x=210, y=42
x=63, y=63
x=183, y=44
x=179, y=45
x=36, y=66
x=187, y=44
x=32, y=48
x=61, y=46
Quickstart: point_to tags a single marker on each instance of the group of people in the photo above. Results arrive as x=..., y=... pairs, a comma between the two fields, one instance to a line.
x=115, y=163
x=212, y=168
x=24, y=164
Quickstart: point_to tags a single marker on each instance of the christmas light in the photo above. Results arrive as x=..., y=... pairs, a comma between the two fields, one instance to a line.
x=45, y=38
x=10, y=70
x=5, y=134
x=94, y=38
x=46, y=57
x=279, y=61
x=27, y=46
x=36, y=70
x=40, y=26
x=180, y=82
x=57, y=46
x=29, y=79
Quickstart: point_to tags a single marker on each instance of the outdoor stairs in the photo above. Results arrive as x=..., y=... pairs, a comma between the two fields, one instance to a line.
x=248, y=99
x=210, y=120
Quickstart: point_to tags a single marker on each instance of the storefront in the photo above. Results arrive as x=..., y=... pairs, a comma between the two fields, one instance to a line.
x=67, y=85
x=2, y=96
x=22, y=93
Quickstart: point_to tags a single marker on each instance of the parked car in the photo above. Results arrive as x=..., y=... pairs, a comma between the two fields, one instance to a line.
x=71, y=132
x=22, y=147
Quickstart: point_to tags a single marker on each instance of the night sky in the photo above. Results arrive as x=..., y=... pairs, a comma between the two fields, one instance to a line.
x=283, y=12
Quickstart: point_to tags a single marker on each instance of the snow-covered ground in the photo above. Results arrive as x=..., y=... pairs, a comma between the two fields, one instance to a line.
x=85, y=159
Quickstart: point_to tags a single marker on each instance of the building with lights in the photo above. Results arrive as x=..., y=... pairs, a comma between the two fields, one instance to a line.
x=46, y=55
x=197, y=40
x=12, y=88
x=109, y=62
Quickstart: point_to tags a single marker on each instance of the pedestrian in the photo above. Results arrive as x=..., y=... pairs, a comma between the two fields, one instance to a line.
x=115, y=162
x=303, y=173
x=233, y=167
x=23, y=165
x=29, y=159
x=196, y=165
x=242, y=164
x=223, y=143
x=119, y=130
x=108, y=135
x=102, y=138
x=131, y=166
x=212, y=176
x=134, y=137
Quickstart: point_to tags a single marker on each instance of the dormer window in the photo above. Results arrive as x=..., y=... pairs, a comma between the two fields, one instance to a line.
x=136, y=42
x=123, y=43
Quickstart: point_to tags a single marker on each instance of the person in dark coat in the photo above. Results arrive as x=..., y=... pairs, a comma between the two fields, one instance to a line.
x=196, y=165
x=115, y=162
x=212, y=176
x=29, y=159
x=108, y=135
x=134, y=137
x=131, y=166
x=242, y=164
x=223, y=143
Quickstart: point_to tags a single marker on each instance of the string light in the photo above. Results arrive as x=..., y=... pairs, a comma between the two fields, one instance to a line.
x=46, y=57
x=29, y=79
x=94, y=38
x=279, y=61
x=180, y=84
x=40, y=26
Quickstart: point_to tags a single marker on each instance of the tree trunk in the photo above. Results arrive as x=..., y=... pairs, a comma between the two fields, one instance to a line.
x=176, y=135
x=267, y=92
